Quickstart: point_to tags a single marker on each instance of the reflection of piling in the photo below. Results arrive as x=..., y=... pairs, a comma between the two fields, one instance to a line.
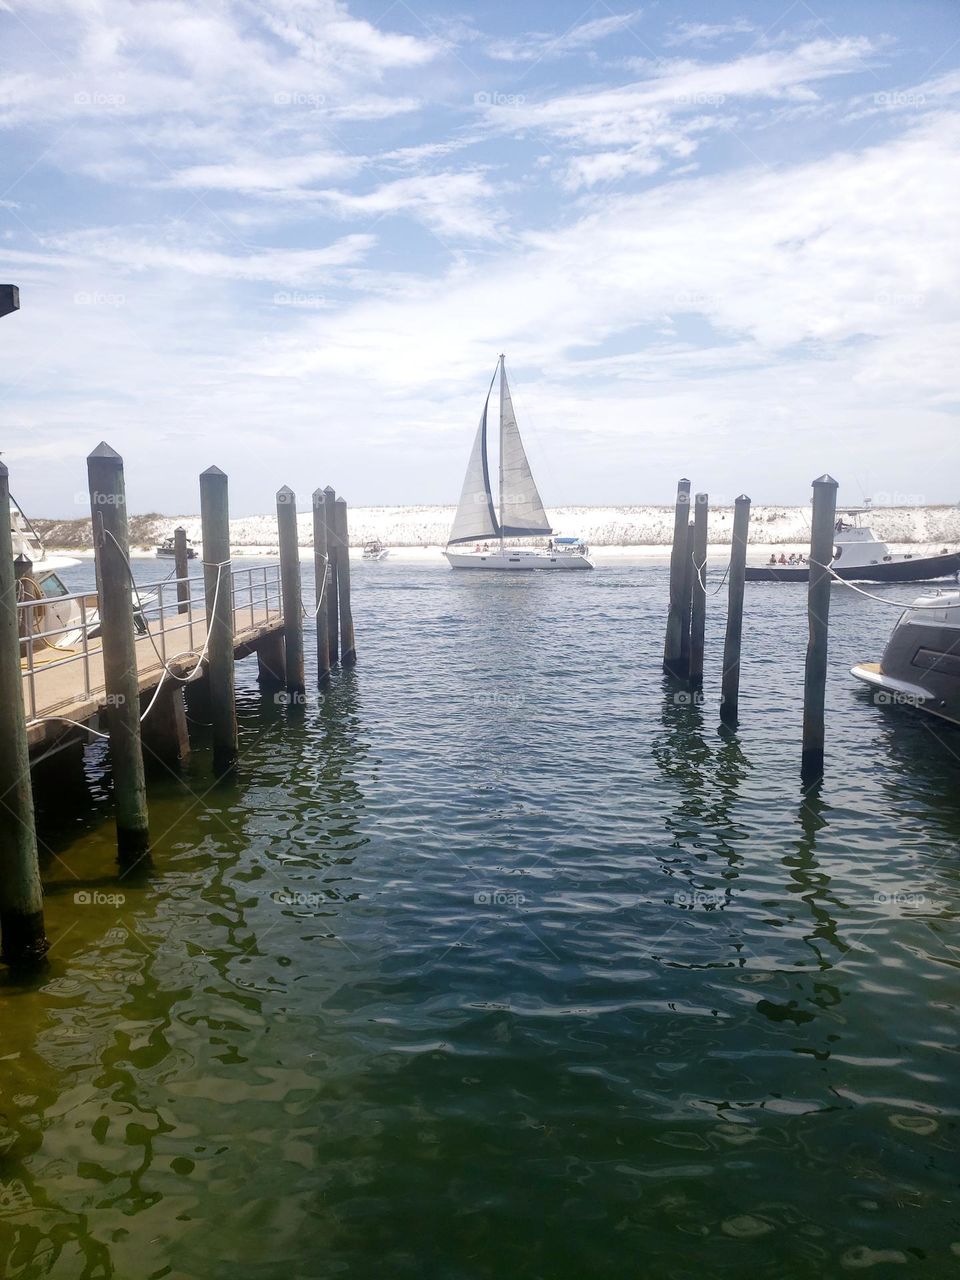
x=730, y=681
x=290, y=589
x=181, y=568
x=321, y=576
x=822, y=523
x=21, y=897
x=215, y=521
x=698, y=607
x=118, y=640
x=348, y=646
x=674, y=644
x=332, y=591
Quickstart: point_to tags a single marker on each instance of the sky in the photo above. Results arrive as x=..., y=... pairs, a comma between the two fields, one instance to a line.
x=291, y=237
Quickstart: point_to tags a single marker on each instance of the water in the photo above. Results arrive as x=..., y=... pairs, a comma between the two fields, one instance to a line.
x=502, y=962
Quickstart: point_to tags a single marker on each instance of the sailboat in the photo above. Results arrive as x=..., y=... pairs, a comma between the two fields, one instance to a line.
x=521, y=511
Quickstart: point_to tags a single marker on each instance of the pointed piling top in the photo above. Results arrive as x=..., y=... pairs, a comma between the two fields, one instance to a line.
x=826, y=479
x=317, y=497
x=343, y=500
x=742, y=498
x=179, y=529
x=4, y=469
x=284, y=488
x=104, y=453
x=329, y=489
x=213, y=471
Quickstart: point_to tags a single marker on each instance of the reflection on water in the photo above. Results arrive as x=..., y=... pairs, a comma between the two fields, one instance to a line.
x=499, y=960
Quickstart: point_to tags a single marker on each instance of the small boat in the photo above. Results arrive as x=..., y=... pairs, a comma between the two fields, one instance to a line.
x=374, y=550
x=920, y=666
x=521, y=511
x=59, y=619
x=167, y=550
x=859, y=556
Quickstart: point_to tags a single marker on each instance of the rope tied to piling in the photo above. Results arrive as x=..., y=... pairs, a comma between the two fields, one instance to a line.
x=894, y=604
x=698, y=569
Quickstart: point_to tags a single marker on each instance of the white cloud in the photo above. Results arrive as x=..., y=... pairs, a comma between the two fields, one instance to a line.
x=538, y=45
x=708, y=33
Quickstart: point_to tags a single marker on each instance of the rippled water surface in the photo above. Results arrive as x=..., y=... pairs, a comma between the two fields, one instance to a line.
x=501, y=962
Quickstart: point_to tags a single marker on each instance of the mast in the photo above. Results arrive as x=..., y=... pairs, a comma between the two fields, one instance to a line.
x=503, y=376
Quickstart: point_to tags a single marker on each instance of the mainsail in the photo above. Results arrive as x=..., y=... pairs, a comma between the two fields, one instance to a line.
x=475, y=516
x=521, y=509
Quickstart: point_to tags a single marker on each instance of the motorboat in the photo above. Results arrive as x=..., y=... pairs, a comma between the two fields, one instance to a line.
x=859, y=556
x=374, y=550
x=521, y=512
x=920, y=666
x=59, y=619
x=167, y=549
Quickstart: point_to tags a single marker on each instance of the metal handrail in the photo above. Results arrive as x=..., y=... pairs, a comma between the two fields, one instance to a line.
x=156, y=606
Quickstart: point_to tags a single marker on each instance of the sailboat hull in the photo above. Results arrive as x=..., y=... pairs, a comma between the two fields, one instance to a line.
x=516, y=560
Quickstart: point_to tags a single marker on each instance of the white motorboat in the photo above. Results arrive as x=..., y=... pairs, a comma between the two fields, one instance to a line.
x=859, y=556
x=521, y=511
x=59, y=619
x=374, y=550
x=920, y=666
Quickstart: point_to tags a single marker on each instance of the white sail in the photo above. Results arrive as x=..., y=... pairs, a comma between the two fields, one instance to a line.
x=475, y=516
x=521, y=509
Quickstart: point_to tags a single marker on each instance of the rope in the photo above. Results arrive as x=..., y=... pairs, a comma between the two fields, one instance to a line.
x=699, y=571
x=323, y=587
x=894, y=604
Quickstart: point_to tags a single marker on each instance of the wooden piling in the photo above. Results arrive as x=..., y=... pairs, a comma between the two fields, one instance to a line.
x=290, y=589
x=320, y=574
x=822, y=522
x=686, y=593
x=22, y=934
x=348, y=644
x=166, y=740
x=673, y=642
x=215, y=523
x=181, y=568
x=730, y=680
x=698, y=606
x=332, y=589
x=108, y=509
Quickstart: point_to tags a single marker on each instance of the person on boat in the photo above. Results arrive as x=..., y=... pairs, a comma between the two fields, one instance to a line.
x=550, y=544
x=773, y=558
x=792, y=559
x=486, y=546
x=783, y=559
x=477, y=547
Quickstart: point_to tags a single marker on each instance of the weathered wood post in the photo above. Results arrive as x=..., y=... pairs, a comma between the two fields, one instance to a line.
x=330, y=516
x=674, y=637
x=698, y=611
x=21, y=896
x=108, y=508
x=822, y=524
x=730, y=680
x=181, y=568
x=321, y=574
x=215, y=524
x=290, y=589
x=686, y=592
x=348, y=644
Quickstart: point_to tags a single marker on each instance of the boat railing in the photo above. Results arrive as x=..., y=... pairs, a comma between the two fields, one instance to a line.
x=170, y=619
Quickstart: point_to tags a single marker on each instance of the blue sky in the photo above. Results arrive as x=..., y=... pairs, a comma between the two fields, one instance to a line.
x=290, y=238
